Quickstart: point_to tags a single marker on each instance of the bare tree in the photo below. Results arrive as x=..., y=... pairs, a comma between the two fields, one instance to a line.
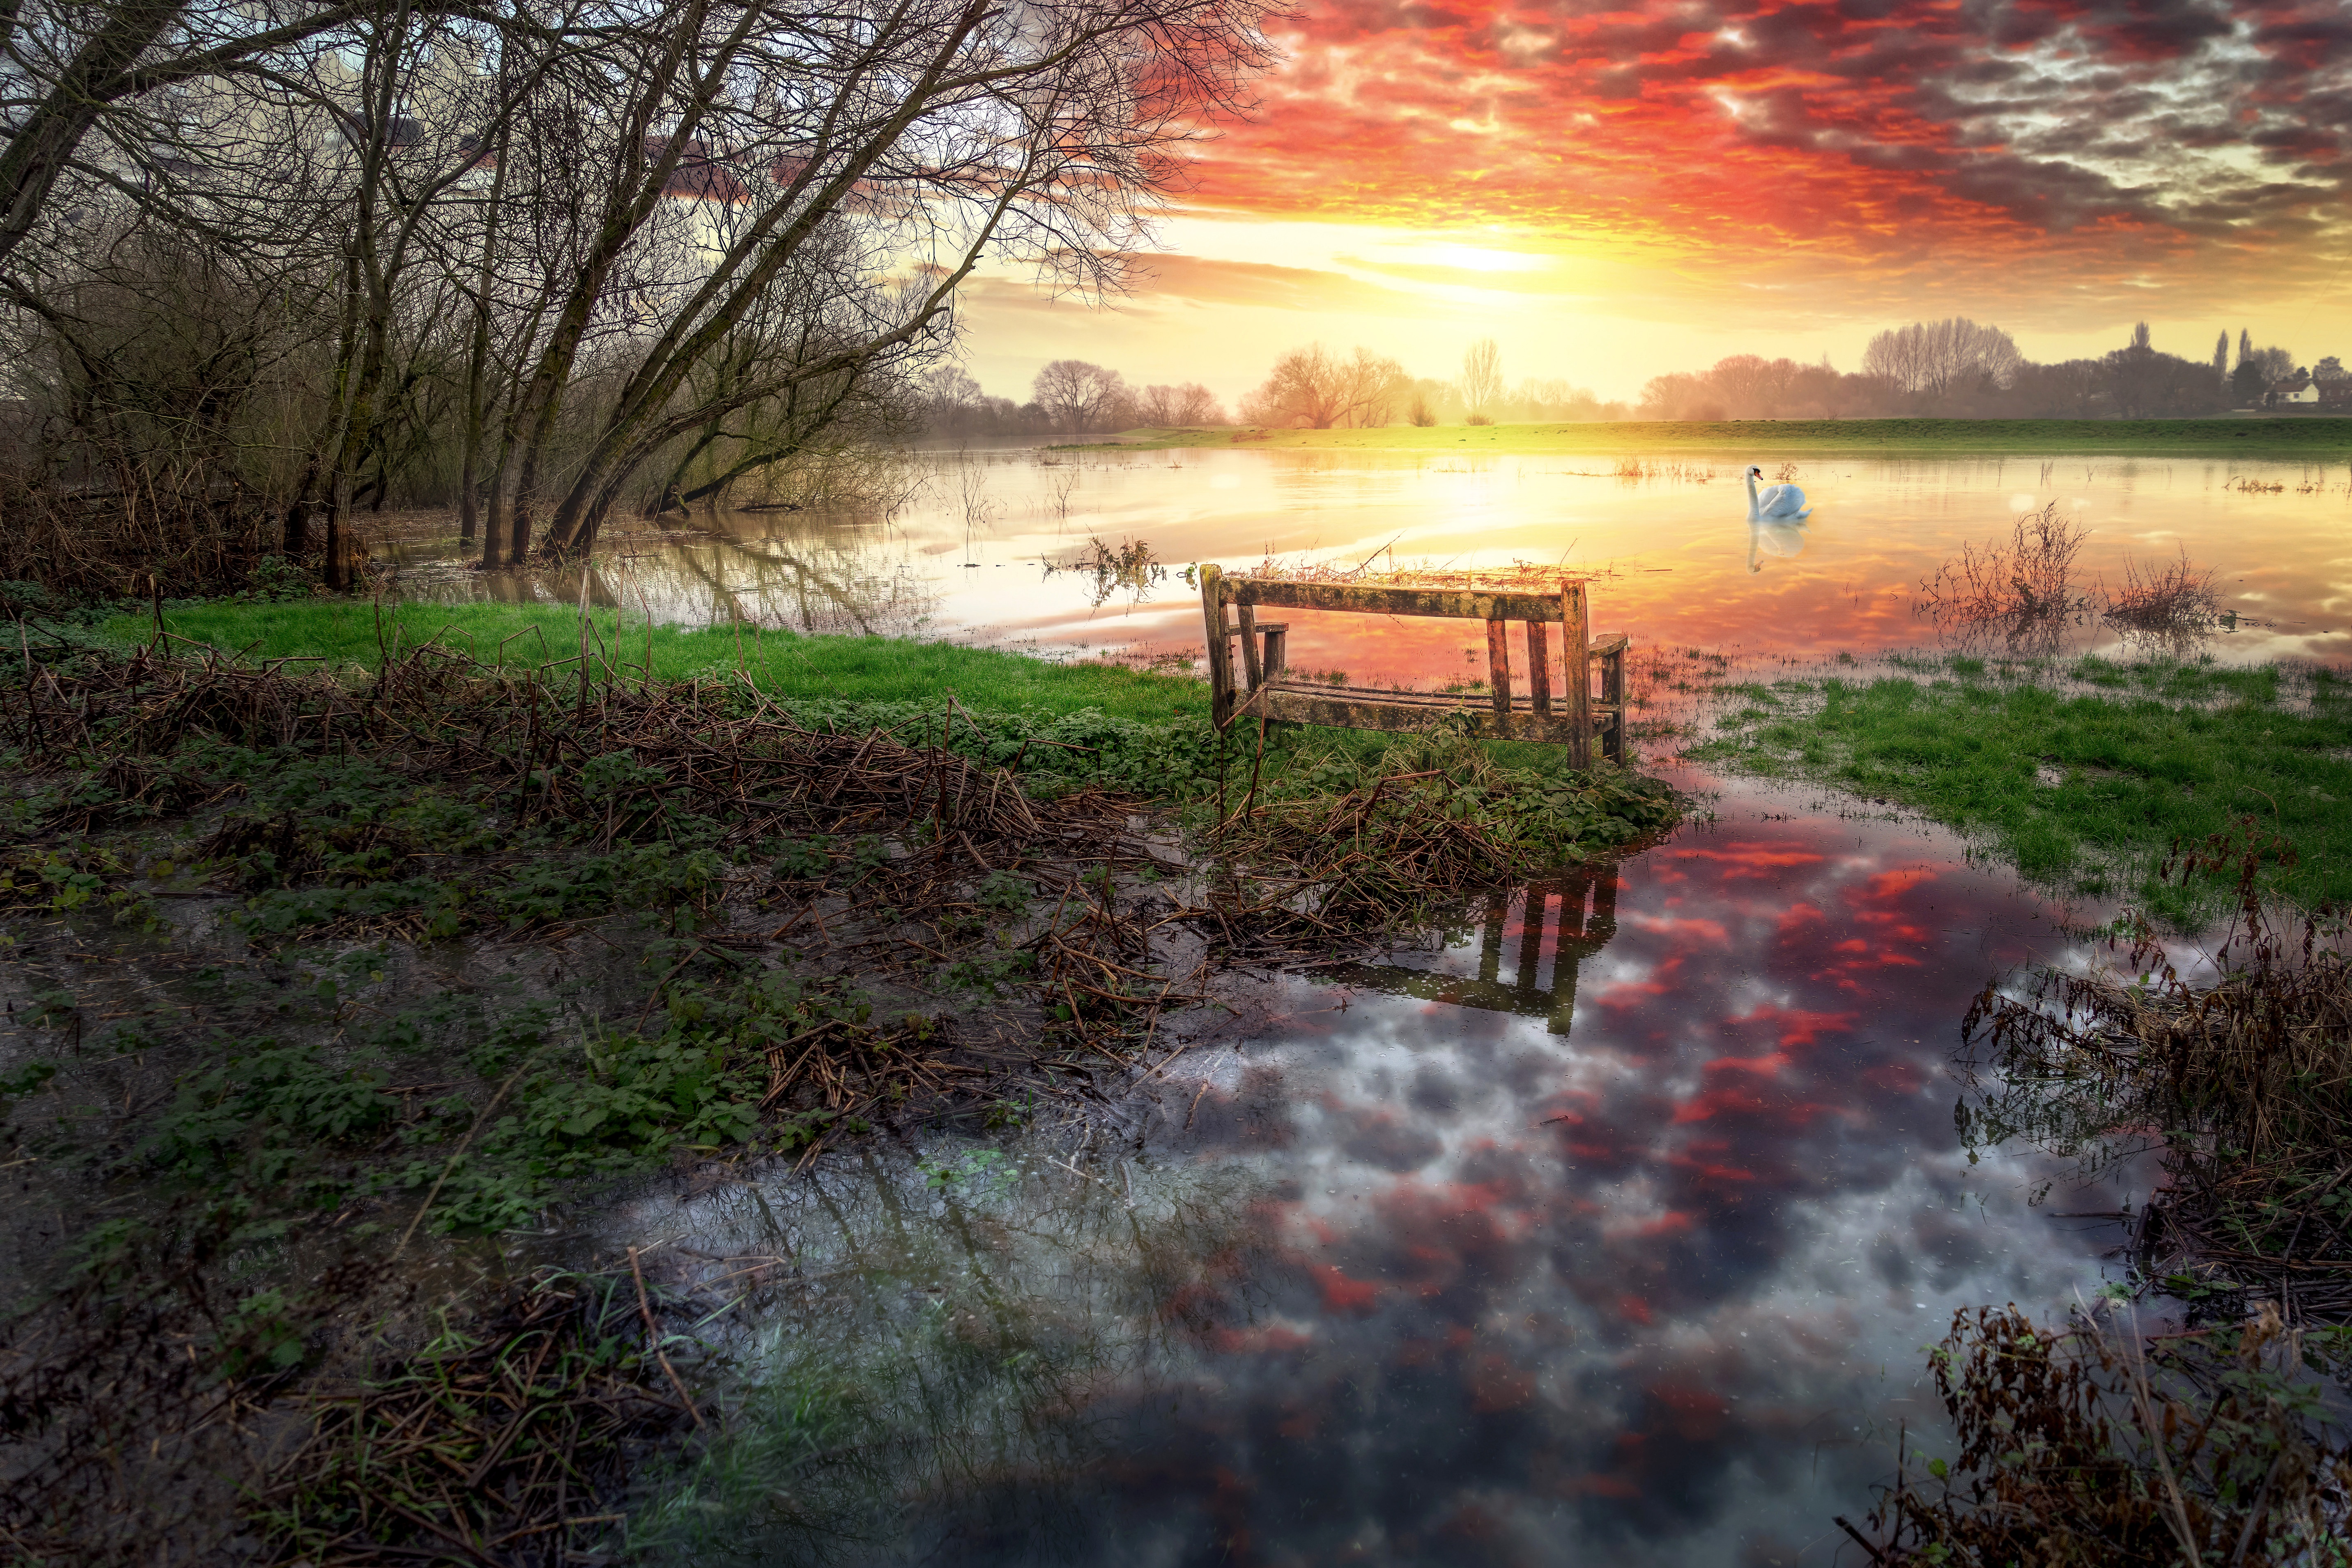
x=1166, y=408
x=1077, y=395
x=1934, y=358
x=2273, y=364
x=925, y=133
x=582, y=249
x=1482, y=377
x=1312, y=388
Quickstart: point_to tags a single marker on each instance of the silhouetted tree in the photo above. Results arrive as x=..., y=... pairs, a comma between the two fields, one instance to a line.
x=1163, y=407
x=1313, y=388
x=1933, y=358
x=1482, y=377
x=1077, y=395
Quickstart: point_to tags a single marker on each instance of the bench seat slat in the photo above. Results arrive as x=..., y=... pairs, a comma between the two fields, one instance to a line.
x=1377, y=599
x=1364, y=708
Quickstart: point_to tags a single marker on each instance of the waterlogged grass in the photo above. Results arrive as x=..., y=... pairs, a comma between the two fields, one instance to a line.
x=2086, y=777
x=2321, y=440
x=853, y=669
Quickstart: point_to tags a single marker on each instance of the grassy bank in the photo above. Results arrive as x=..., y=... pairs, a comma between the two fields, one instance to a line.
x=786, y=666
x=2086, y=776
x=2288, y=437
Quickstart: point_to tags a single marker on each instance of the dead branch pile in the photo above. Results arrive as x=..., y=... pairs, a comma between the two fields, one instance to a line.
x=502, y=1440
x=149, y=1414
x=1364, y=849
x=130, y=536
x=613, y=763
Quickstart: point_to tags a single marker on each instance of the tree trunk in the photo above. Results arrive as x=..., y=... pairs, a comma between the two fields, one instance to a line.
x=478, y=356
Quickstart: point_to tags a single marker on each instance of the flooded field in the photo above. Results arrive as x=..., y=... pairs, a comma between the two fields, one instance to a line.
x=1609, y=1225
x=1612, y=1227
x=1610, y=1230
x=966, y=553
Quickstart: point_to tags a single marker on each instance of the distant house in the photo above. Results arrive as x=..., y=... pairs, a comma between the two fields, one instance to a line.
x=2335, y=395
x=2297, y=391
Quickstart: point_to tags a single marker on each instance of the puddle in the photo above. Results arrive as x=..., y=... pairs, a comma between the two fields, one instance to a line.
x=1610, y=1230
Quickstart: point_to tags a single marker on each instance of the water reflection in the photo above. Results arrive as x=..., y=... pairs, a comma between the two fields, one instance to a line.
x=1553, y=925
x=1779, y=540
x=808, y=572
x=959, y=558
x=1610, y=1231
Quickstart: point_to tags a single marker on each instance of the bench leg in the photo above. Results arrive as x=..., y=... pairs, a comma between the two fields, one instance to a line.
x=1576, y=654
x=1221, y=652
x=1498, y=674
x=1613, y=692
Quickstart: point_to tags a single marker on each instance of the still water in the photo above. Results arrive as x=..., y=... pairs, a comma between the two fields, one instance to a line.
x=965, y=548
x=1610, y=1231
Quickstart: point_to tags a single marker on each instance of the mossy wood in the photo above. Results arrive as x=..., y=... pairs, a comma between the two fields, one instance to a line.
x=1571, y=717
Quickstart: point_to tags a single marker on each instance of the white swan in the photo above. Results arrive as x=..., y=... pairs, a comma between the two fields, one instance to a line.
x=1779, y=503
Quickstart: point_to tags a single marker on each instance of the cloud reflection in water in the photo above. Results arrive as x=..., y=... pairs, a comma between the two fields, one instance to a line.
x=1609, y=1234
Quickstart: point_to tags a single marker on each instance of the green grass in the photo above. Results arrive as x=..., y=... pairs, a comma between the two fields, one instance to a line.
x=881, y=679
x=2083, y=792
x=786, y=666
x=2289, y=437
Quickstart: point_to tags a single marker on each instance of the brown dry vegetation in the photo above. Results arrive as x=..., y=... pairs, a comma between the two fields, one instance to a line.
x=2078, y=1447
x=2245, y=1081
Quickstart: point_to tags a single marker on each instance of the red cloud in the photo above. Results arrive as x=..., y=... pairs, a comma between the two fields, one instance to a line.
x=1910, y=139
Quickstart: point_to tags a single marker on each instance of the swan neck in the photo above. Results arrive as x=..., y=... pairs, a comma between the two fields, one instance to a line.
x=1750, y=479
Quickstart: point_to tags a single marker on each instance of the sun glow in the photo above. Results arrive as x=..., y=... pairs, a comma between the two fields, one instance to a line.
x=1619, y=192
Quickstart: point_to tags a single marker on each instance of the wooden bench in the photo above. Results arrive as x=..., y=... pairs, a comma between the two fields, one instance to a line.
x=1572, y=719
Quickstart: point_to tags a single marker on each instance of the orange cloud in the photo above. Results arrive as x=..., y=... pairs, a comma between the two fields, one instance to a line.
x=1752, y=148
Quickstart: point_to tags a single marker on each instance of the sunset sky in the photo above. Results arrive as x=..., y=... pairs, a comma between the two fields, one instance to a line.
x=1617, y=192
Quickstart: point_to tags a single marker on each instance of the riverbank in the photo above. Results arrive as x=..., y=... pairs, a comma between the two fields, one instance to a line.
x=2084, y=776
x=2315, y=439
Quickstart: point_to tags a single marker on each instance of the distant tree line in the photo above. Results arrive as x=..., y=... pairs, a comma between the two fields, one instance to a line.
x=1963, y=370
x=1318, y=389
x=1068, y=397
x=1954, y=368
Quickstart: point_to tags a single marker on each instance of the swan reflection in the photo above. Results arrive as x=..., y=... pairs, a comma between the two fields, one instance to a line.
x=1782, y=539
